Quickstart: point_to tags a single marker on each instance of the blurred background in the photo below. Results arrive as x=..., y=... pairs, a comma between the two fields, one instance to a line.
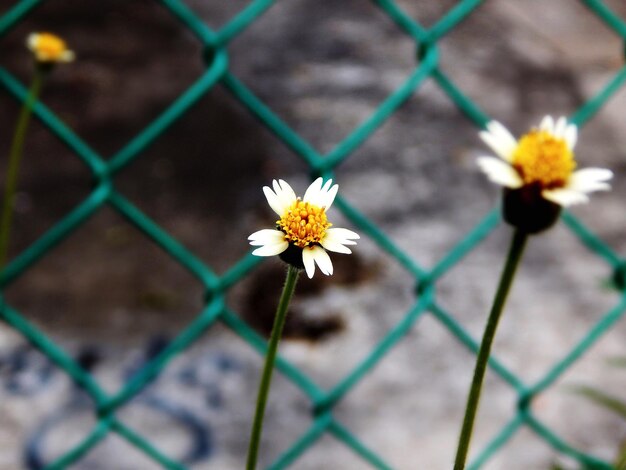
x=113, y=299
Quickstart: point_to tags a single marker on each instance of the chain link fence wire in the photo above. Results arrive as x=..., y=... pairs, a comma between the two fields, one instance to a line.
x=216, y=58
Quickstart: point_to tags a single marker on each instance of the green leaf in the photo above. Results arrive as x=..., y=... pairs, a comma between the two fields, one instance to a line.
x=620, y=463
x=605, y=400
x=617, y=361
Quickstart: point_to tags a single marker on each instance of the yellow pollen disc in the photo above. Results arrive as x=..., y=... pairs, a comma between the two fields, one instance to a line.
x=49, y=47
x=542, y=158
x=304, y=223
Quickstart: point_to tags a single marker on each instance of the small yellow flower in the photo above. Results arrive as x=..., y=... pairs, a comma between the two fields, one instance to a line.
x=303, y=233
x=542, y=161
x=49, y=48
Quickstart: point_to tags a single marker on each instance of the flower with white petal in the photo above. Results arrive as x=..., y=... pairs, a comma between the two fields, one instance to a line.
x=303, y=234
x=540, y=166
x=49, y=48
x=538, y=173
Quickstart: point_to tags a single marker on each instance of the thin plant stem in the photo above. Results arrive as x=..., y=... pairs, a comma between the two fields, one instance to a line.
x=268, y=368
x=515, y=254
x=15, y=157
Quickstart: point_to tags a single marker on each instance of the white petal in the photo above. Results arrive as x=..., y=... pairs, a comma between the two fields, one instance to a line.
x=322, y=259
x=312, y=193
x=588, y=180
x=271, y=242
x=32, y=40
x=273, y=200
x=547, y=124
x=327, y=196
x=271, y=250
x=337, y=237
x=333, y=241
x=266, y=237
x=559, y=127
x=279, y=204
x=67, y=56
x=308, y=261
x=500, y=172
x=284, y=193
x=334, y=245
x=505, y=136
x=499, y=139
x=571, y=136
x=344, y=233
x=564, y=197
x=598, y=174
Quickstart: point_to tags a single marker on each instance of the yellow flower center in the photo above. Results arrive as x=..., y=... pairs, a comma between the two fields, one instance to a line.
x=304, y=223
x=542, y=158
x=49, y=47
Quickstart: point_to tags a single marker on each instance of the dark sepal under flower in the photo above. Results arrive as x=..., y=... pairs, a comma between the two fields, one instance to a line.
x=525, y=209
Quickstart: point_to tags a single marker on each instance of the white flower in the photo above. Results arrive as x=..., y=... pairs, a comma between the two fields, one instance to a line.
x=543, y=159
x=49, y=48
x=303, y=228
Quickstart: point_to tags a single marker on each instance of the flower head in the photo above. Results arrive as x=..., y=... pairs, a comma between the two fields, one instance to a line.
x=303, y=233
x=539, y=171
x=49, y=48
x=544, y=157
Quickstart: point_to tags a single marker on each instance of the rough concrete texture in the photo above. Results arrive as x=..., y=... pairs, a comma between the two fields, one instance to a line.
x=107, y=293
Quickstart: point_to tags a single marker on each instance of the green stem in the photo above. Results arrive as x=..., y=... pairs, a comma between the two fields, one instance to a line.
x=15, y=157
x=515, y=253
x=266, y=378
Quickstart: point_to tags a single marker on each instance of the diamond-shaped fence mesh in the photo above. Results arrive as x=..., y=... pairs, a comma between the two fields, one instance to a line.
x=323, y=401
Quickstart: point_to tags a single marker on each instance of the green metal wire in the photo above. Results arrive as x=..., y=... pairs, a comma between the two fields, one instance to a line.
x=217, y=73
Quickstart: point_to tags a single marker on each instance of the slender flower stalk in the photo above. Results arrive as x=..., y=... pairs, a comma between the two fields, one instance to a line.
x=539, y=176
x=268, y=368
x=301, y=238
x=15, y=158
x=515, y=254
x=48, y=50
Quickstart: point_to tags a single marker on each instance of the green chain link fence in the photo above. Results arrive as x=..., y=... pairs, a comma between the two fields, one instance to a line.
x=215, y=44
